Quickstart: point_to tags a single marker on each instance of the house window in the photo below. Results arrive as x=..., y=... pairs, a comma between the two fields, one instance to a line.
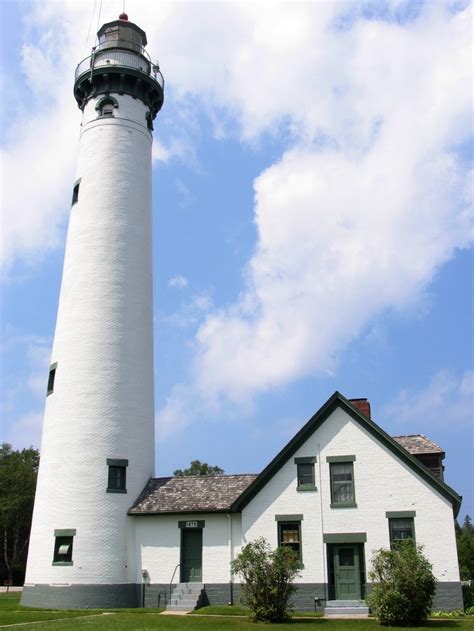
x=289, y=534
x=75, y=193
x=117, y=475
x=401, y=529
x=305, y=473
x=51, y=378
x=63, y=545
x=341, y=469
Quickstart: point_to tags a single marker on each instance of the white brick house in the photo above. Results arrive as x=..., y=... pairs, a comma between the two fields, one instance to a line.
x=340, y=489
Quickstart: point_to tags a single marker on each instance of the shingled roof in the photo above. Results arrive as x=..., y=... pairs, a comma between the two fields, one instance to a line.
x=191, y=494
x=418, y=444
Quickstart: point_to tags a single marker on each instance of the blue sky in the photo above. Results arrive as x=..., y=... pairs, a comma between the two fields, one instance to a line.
x=312, y=218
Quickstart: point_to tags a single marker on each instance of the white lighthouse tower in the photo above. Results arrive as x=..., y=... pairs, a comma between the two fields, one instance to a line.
x=97, y=450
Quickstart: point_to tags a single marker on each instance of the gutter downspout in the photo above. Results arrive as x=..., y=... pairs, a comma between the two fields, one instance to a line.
x=325, y=572
x=231, y=577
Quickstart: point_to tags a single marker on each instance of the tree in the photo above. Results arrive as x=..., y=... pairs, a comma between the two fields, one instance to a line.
x=403, y=585
x=465, y=544
x=268, y=579
x=198, y=468
x=18, y=472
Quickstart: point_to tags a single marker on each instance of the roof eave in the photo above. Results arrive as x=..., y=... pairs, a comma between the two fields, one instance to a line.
x=337, y=399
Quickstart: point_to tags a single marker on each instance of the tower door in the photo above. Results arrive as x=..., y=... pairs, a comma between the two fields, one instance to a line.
x=346, y=572
x=191, y=556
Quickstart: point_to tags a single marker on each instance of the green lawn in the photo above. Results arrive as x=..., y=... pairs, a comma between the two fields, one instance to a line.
x=137, y=619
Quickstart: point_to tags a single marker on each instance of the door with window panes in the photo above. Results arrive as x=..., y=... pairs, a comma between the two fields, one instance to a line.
x=346, y=572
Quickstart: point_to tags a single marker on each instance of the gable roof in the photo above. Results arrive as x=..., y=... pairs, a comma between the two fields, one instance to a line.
x=418, y=444
x=191, y=494
x=337, y=400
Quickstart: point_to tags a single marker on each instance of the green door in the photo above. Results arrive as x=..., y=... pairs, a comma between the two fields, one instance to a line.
x=346, y=572
x=191, y=556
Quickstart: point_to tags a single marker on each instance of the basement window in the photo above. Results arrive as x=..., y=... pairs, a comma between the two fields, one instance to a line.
x=51, y=378
x=63, y=544
x=117, y=475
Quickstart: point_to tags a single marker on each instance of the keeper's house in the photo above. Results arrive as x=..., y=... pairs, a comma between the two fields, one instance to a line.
x=338, y=491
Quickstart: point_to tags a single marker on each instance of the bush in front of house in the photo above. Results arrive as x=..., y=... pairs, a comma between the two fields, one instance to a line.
x=403, y=585
x=268, y=579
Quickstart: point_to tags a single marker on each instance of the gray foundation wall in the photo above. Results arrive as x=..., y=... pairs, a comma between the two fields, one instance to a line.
x=308, y=596
x=448, y=596
x=81, y=596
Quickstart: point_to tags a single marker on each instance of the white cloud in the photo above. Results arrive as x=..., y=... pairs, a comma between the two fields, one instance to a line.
x=366, y=203
x=446, y=400
x=191, y=313
x=359, y=215
x=178, y=281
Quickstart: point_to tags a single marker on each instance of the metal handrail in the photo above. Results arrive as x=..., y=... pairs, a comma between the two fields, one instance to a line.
x=106, y=54
x=171, y=582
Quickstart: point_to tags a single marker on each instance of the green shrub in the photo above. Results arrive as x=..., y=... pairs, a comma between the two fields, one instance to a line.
x=468, y=595
x=403, y=585
x=455, y=613
x=268, y=579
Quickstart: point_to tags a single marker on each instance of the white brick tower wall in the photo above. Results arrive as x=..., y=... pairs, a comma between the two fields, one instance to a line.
x=102, y=404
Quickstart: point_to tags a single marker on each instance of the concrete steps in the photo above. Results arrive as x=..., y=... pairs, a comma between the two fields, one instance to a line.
x=342, y=608
x=186, y=597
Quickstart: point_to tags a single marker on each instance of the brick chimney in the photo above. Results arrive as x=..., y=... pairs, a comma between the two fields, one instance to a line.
x=363, y=405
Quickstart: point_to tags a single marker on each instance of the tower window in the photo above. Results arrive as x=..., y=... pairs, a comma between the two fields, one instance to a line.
x=106, y=106
x=75, y=193
x=117, y=475
x=51, y=378
x=107, y=110
x=63, y=544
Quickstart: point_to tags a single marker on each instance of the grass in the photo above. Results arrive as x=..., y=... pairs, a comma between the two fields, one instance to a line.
x=11, y=612
x=238, y=610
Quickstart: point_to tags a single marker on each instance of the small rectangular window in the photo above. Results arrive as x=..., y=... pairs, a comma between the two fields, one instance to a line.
x=117, y=476
x=75, y=193
x=401, y=529
x=289, y=534
x=342, y=484
x=51, y=378
x=63, y=550
x=305, y=473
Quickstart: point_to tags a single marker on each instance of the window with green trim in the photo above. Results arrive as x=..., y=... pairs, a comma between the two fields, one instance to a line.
x=51, y=378
x=305, y=474
x=401, y=529
x=63, y=550
x=117, y=478
x=289, y=534
x=117, y=475
x=342, y=483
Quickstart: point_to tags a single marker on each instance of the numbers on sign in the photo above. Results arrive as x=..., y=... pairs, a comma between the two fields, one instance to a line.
x=191, y=524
